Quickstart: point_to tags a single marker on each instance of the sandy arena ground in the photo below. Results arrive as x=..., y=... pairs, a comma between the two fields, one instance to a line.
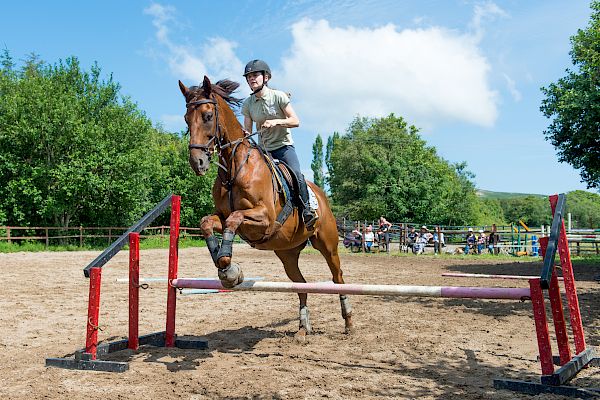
x=421, y=348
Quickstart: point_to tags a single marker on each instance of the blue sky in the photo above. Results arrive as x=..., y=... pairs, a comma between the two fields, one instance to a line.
x=467, y=73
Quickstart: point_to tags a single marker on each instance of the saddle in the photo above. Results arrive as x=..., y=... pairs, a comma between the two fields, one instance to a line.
x=285, y=182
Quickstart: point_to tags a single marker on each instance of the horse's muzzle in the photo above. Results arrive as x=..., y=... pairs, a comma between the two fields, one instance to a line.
x=199, y=164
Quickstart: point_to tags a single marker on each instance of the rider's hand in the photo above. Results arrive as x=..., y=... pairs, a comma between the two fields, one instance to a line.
x=269, y=124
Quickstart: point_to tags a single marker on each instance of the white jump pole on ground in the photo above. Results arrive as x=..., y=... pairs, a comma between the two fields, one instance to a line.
x=356, y=289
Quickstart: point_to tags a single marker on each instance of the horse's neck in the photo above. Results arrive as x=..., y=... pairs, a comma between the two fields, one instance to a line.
x=232, y=131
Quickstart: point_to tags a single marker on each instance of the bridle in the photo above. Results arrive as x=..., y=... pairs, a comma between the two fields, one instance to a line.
x=216, y=141
x=208, y=146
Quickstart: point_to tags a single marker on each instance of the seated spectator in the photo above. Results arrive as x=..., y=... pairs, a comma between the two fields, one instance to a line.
x=349, y=239
x=470, y=239
x=357, y=240
x=422, y=239
x=411, y=237
x=426, y=234
x=481, y=241
x=369, y=238
x=438, y=242
x=419, y=246
x=384, y=232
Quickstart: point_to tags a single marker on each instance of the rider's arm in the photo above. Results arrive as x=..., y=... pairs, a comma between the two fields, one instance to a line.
x=291, y=119
x=247, y=124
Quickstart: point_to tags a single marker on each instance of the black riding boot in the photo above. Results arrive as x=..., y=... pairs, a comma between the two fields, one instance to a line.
x=309, y=216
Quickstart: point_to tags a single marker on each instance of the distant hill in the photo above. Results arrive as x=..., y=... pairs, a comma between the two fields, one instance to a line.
x=488, y=194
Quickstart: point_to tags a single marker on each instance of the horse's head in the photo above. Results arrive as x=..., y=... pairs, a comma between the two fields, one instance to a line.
x=202, y=118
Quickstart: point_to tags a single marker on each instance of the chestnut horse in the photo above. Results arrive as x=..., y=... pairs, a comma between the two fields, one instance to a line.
x=246, y=201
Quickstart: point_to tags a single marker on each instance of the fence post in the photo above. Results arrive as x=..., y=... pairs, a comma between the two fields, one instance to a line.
x=8, y=234
x=80, y=236
x=91, y=339
x=47, y=239
x=173, y=264
x=134, y=290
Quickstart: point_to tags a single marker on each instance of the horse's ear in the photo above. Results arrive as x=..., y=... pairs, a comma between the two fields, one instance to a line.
x=183, y=88
x=206, y=86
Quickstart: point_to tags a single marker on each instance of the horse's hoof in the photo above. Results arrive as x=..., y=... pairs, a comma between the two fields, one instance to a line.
x=305, y=320
x=231, y=276
x=301, y=336
x=349, y=330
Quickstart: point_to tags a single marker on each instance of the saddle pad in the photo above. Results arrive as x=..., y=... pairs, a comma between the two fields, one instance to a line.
x=312, y=199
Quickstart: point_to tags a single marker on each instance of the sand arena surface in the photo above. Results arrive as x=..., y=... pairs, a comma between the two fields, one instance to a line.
x=425, y=348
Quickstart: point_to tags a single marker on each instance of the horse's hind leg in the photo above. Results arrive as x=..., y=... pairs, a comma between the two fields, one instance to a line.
x=289, y=258
x=326, y=243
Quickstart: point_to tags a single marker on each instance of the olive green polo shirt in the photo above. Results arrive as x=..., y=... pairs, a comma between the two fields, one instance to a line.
x=269, y=106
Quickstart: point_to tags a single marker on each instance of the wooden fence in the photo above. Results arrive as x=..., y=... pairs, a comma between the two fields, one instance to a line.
x=512, y=239
x=50, y=235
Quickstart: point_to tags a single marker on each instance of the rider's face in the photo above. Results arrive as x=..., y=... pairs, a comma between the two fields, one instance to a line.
x=255, y=80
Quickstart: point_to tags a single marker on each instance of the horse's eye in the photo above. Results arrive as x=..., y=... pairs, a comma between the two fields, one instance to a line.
x=207, y=116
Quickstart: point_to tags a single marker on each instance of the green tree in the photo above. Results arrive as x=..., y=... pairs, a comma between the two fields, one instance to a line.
x=532, y=210
x=73, y=150
x=488, y=212
x=176, y=176
x=381, y=166
x=573, y=103
x=328, y=150
x=584, y=208
x=317, y=162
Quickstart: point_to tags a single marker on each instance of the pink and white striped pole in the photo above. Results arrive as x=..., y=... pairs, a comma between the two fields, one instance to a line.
x=356, y=289
x=491, y=276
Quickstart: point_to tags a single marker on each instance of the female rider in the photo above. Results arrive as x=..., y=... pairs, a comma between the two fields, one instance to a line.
x=272, y=112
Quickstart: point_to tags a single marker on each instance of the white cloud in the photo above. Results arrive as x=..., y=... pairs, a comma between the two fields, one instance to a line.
x=482, y=12
x=425, y=75
x=215, y=58
x=428, y=75
x=512, y=88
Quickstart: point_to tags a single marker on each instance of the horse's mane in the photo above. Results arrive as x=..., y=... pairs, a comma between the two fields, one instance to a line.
x=223, y=88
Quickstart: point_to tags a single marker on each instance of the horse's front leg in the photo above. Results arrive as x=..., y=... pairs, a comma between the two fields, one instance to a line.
x=208, y=225
x=231, y=274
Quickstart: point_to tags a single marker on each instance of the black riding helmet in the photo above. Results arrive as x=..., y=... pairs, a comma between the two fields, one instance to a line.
x=257, y=66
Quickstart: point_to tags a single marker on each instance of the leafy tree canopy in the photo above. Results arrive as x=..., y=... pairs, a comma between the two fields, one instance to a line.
x=381, y=166
x=573, y=104
x=584, y=208
x=532, y=210
x=74, y=151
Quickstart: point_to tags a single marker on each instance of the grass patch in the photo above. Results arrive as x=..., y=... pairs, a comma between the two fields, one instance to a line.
x=163, y=243
x=34, y=246
x=592, y=260
x=145, y=244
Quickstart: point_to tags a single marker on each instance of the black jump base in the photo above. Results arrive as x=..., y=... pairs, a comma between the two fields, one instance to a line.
x=83, y=360
x=556, y=383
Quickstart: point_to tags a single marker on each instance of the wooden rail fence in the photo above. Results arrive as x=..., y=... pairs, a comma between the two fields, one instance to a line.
x=48, y=234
